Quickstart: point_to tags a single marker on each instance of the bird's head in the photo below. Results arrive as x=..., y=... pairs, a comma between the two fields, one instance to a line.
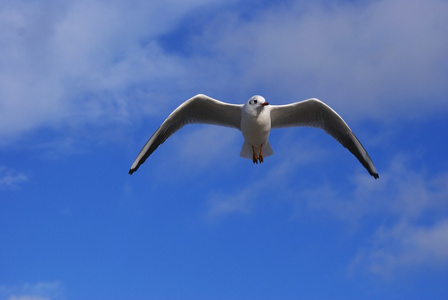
x=256, y=102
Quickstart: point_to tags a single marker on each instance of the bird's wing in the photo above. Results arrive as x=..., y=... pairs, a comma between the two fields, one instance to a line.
x=199, y=109
x=315, y=113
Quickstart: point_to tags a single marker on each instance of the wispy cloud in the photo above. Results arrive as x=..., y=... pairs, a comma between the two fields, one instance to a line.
x=403, y=213
x=412, y=230
x=10, y=180
x=37, y=291
x=206, y=145
x=13, y=297
x=402, y=192
x=268, y=180
x=403, y=246
x=222, y=205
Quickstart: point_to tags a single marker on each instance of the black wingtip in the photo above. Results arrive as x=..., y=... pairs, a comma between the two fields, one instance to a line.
x=375, y=175
x=131, y=171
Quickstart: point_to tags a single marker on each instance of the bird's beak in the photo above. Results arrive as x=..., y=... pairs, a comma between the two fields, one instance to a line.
x=264, y=104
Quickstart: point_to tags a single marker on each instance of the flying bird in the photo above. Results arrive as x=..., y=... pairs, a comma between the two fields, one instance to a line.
x=255, y=119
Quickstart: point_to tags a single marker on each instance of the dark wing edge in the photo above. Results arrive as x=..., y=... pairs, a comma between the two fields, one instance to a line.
x=198, y=109
x=315, y=113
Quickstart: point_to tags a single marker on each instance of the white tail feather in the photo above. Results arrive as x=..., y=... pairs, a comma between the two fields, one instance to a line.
x=246, y=150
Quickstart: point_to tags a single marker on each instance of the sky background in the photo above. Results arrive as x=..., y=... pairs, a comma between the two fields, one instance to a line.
x=84, y=84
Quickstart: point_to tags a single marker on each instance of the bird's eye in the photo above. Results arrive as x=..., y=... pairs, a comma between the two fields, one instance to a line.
x=255, y=101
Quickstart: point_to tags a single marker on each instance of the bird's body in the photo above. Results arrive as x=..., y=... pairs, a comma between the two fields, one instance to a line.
x=255, y=127
x=255, y=120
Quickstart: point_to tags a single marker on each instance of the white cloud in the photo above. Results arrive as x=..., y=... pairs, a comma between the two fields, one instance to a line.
x=404, y=246
x=10, y=180
x=206, y=146
x=37, y=291
x=13, y=297
x=267, y=181
x=401, y=191
x=402, y=215
x=90, y=63
x=83, y=61
x=387, y=55
x=413, y=228
x=220, y=205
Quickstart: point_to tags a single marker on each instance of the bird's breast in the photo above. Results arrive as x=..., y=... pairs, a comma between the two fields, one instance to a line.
x=256, y=127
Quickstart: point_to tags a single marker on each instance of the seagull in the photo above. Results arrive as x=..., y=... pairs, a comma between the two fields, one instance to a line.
x=255, y=119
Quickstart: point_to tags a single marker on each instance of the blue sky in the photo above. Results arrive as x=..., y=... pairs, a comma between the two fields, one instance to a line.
x=84, y=83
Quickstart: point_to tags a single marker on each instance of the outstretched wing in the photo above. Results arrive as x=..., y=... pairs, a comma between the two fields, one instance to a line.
x=315, y=113
x=199, y=109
